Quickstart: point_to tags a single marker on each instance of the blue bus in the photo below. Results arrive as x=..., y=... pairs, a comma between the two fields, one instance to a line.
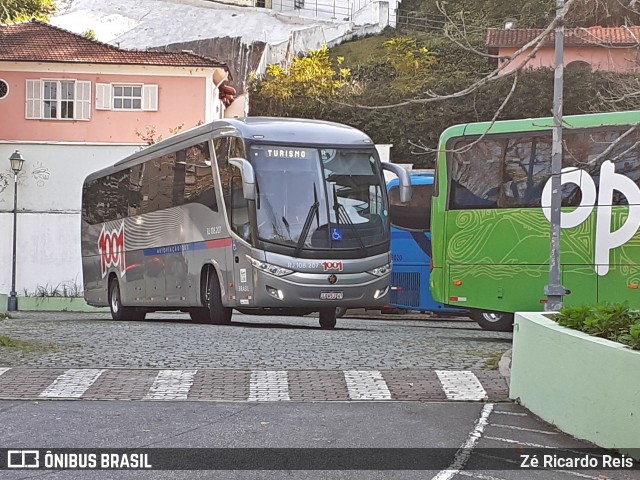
x=411, y=247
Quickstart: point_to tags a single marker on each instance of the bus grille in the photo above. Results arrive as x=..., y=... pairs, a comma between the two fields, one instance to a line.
x=406, y=290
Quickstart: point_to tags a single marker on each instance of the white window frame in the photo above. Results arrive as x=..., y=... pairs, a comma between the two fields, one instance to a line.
x=105, y=97
x=58, y=99
x=123, y=97
x=35, y=101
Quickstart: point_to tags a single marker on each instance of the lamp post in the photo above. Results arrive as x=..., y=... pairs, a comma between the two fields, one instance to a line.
x=555, y=291
x=17, y=161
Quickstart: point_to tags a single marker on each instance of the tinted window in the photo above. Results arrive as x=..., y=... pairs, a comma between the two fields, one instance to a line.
x=512, y=172
x=174, y=179
x=414, y=215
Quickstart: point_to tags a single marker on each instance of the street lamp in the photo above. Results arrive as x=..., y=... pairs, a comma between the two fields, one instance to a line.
x=17, y=161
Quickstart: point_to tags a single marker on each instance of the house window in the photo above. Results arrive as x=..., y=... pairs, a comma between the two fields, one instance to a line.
x=127, y=97
x=298, y=4
x=124, y=97
x=58, y=99
x=4, y=89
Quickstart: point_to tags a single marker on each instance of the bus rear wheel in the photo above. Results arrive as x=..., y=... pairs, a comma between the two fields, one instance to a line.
x=493, y=321
x=118, y=311
x=199, y=315
x=327, y=318
x=218, y=313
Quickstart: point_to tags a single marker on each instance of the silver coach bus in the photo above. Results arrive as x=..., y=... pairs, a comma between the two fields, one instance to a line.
x=264, y=215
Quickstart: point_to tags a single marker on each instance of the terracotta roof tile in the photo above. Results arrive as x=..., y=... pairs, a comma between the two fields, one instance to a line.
x=614, y=36
x=36, y=41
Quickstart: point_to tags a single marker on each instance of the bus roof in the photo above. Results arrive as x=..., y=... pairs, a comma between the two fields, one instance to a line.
x=285, y=131
x=546, y=123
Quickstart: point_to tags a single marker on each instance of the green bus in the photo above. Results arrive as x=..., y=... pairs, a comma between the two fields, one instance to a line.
x=491, y=215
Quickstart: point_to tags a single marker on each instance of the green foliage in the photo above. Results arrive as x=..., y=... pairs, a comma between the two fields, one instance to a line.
x=409, y=59
x=90, y=34
x=20, y=10
x=614, y=322
x=311, y=76
x=526, y=13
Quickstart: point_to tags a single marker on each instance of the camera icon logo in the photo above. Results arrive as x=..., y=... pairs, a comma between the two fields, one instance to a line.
x=23, y=459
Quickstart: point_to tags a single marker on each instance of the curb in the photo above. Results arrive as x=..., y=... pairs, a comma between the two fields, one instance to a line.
x=504, y=365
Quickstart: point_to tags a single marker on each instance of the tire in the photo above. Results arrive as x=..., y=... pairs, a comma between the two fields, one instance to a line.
x=340, y=312
x=328, y=318
x=118, y=311
x=218, y=313
x=493, y=321
x=199, y=315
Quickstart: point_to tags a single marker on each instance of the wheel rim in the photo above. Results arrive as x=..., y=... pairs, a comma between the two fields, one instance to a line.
x=492, y=316
x=115, y=299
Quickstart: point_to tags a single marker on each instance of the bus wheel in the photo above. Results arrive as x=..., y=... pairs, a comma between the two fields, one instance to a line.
x=340, y=312
x=218, y=313
x=327, y=318
x=199, y=315
x=493, y=321
x=119, y=312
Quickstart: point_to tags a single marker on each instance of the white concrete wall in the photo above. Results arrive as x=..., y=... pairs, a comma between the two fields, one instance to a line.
x=49, y=201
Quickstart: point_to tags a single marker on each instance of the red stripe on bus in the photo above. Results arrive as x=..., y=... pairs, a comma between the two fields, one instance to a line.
x=222, y=242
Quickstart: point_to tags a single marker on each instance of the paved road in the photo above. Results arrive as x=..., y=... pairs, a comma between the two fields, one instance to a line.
x=266, y=382
x=255, y=359
x=141, y=425
x=171, y=341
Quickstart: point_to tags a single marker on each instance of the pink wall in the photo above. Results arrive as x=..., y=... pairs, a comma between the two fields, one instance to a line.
x=600, y=58
x=181, y=100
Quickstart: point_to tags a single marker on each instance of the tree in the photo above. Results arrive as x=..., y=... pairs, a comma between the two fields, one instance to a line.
x=309, y=76
x=19, y=10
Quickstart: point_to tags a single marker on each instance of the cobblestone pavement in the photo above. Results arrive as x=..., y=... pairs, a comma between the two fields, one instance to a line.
x=88, y=356
x=171, y=341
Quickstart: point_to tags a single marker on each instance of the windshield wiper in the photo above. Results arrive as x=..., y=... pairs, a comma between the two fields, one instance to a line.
x=342, y=214
x=313, y=210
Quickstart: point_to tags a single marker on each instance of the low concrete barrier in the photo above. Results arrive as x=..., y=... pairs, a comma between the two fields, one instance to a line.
x=586, y=386
x=4, y=302
x=56, y=304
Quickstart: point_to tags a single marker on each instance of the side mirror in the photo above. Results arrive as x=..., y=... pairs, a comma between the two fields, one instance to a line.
x=403, y=176
x=248, y=177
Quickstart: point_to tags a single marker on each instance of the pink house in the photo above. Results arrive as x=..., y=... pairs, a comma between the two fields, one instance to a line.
x=59, y=86
x=597, y=48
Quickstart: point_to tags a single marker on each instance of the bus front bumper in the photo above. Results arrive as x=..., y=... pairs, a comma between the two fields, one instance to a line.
x=314, y=290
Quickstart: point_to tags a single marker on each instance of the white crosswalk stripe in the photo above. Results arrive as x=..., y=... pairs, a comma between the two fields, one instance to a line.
x=366, y=385
x=72, y=383
x=171, y=385
x=4, y=369
x=269, y=386
x=461, y=385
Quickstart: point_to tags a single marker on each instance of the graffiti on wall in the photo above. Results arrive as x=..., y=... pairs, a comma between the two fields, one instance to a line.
x=40, y=174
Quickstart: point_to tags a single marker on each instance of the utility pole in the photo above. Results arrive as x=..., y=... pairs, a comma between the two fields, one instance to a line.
x=555, y=291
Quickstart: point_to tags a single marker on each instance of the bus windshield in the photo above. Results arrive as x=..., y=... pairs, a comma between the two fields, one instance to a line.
x=311, y=198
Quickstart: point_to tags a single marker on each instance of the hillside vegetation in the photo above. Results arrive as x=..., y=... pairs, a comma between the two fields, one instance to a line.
x=410, y=64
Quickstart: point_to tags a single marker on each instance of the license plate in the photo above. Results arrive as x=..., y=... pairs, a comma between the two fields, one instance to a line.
x=331, y=295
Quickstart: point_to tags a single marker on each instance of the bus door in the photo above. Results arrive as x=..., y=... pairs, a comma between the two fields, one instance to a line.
x=238, y=211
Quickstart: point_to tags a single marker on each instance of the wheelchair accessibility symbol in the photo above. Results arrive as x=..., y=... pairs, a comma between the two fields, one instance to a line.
x=336, y=233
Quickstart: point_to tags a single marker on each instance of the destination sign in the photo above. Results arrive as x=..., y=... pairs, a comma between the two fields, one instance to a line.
x=288, y=153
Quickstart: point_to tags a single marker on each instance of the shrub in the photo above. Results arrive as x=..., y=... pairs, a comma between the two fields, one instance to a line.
x=613, y=322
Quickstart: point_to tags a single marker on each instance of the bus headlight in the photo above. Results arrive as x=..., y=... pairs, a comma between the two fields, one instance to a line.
x=268, y=268
x=380, y=271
